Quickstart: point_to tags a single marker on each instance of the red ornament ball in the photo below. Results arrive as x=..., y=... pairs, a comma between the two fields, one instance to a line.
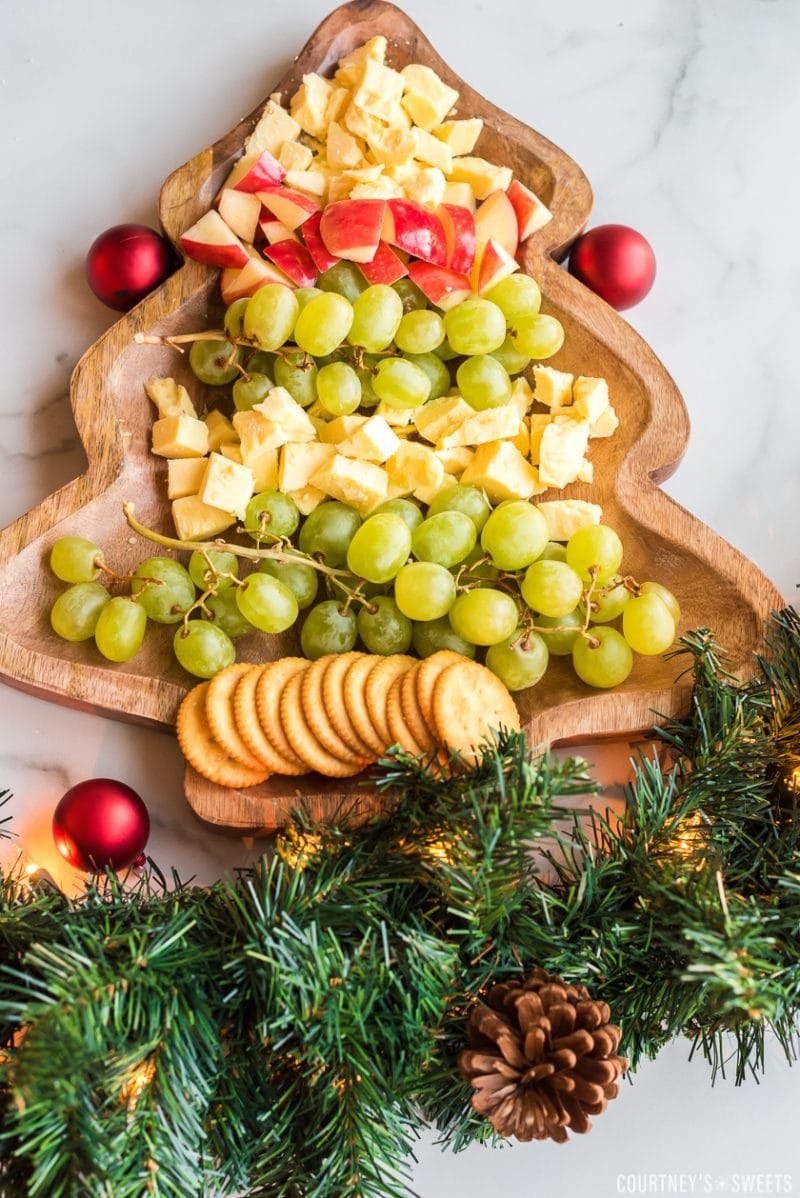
x=615, y=262
x=101, y=823
x=125, y=263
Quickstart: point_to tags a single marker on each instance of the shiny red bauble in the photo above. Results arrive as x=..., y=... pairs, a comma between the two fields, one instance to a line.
x=101, y=824
x=125, y=263
x=616, y=262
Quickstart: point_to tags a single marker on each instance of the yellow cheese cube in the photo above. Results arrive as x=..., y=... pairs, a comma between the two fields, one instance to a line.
x=412, y=466
x=378, y=89
x=232, y=452
x=342, y=149
x=226, y=485
x=433, y=151
x=196, y=521
x=299, y=460
x=521, y=395
x=360, y=123
x=586, y=472
x=284, y=420
x=427, y=186
x=492, y=424
x=605, y=424
x=396, y=418
x=461, y=194
x=537, y=423
x=294, y=157
x=590, y=397
x=341, y=186
x=170, y=397
x=306, y=499
x=340, y=428
x=372, y=441
x=439, y=417
x=392, y=146
x=566, y=516
x=523, y=438
x=382, y=188
x=310, y=103
x=339, y=99
x=427, y=495
x=184, y=476
x=180, y=437
x=553, y=388
x=264, y=466
x=426, y=98
x=561, y=452
x=455, y=459
x=351, y=66
x=483, y=177
x=220, y=430
x=460, y=136
x=502, y=472
x=273, y=129
x=360, y=484
x=311, y=182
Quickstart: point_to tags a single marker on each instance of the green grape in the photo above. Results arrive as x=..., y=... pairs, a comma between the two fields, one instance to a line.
x=247, y=392
x=214, y=362
x=509, y=357
x=484, y=616
x=438, y=374
x=595, y=546
x=339, y=389
x=380, y=547
x=343, y=279
x=478, y=566
x=538, y=336
x=271, y=515
x=607, y=605
x=226, y=614
x=74, y=559
x=267, y=603
x=234, y=317
x=608, y=664
x=368, y=397
x=462, y=497
x=420, y=331
x=520, y=660
x=206, y=568
x=323, y=324
x=475, y=326
x=166, y=600
x=554, y=552
x=445, y=351
x=560, y=643
x=302, y=580
x=203, y=649
x=647, y=624
x=120, y=628
x=383, y=628
x=413, y=299
x=260, y=362
x=552, y=588
x=376, y=315
x=483, y=382
x=667, y=597
x=515, y=535
x=424, y=590
x=446, y=538
x=402, y=384
x=298, y=374
x=270, y=316
x=431, y=636
x=404, y=508
x=516, y=296
x=328, y=531
x=304, y=294
x=328, y=628
x=75, y=613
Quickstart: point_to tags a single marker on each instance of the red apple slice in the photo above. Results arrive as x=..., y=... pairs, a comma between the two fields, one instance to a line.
x=491, y=266
x=275, y=231
x=292, y=208
x=444, y=288
x=415, y=229
x=459, y=233
x=351, y=229
x=531, y=213
x=236, y=284
x=386, y=267
x=496, y=221
x=323, y=260
x=255, y=171
x=240, y=211
x=294, y=260
x=211, y=241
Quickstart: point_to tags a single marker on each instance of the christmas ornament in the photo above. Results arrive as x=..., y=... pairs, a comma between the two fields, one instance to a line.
x=616, y=262
x=101, y=823
x=127, y=262
x=543, y=1058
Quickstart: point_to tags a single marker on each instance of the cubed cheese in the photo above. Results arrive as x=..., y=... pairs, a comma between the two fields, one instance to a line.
x=220, y=430
x=427, y=495
x=605, y=424
x=586, y=472
x=483, y=177
x=553, y=388
x=378, y=89
x=521, y=395
x=392, y=146
x=372, y=441
x=283, y=420
x=426, y=98
x=306, y=499
x=180, y=437
x=226, y=485
x=427, y=187
x=360, y=123
x=439, y=417
x=566, y=516
x=382, y=188
x=184, y=476
x=412, y=466
x=362, y=485
x=561, y=452
x=340, y=428
x=342, y=149
x=537, y=423
x=294, y=157
x=311, y=182
x=170, y=397
x=299, y=460
x=431, y=150
x=590, y=397
x=460, y=136
x=273, y=129
x=492, y=424
x=396, y=417
x=264, y=466
x=523, y=438
x=341, y=185
x=352, y=64
x=461, y=194
x=310, y=104
x=196, y=521
x=502, y=472
x=232, y=452
x=455, y=459
x=339, y=99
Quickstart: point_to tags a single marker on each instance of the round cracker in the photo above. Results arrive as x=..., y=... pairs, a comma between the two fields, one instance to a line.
x=469, y=704
x=354, y=680
x=376, y=689
x=317, y=716
x=335, y=701
x=269, y=690
x=246, y=715
x=202, y=751
x=399, y=731
x=429, y=670
x=302, y=739
x=415, y=721
x=221, y=718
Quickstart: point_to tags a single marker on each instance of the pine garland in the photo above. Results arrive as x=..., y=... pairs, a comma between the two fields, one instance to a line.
x=288, y=1032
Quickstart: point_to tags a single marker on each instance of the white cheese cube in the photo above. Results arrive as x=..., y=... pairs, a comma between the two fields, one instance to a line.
x=521, y=395
x=590, y=397
x=439, y=417
x=220, y=430
x=426, y=98
x=273, y=129
x=310, y=104
x=372, y=441
x=492, y=424
x=340, y=428
x=412, y=466
x=378, y=89
x=460, y=136
x=553, y=388
x=502, y=472
x=605, y=424
x=342, y=150
x=362, y=485
x=226, y=485
x=561, y=452
x=294, y=156
x=483, y=177
x=566, y=516
x=180, y=437
x=306, y=499
x=184, y=476
x=299, y=460
x=431, y=150
x=351, y=66
x=170, y=397
x=455, y=459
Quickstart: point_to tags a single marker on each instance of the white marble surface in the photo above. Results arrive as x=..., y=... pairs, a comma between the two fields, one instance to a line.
x=682, y=113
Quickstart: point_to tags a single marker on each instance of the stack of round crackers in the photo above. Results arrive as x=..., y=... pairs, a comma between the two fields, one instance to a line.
x=338, y=714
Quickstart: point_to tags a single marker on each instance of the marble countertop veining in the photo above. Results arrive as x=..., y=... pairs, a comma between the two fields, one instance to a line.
x=681, y=114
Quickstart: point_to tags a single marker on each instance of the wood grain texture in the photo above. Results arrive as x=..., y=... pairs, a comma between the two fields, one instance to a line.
x=717, y=586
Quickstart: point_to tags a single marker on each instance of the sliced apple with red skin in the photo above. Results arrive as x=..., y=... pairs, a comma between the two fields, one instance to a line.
x=240, y=211
x=351, y=229
x=492, y=265
x=444, y=288
x=211, y=241
x=275, y=231
x=323, y=259
x=238, y=284
x=531, y=213
x=496, y=221
x=416, y=230
x=294, y=260
x=459, y=234
x=386, y=267
x=255, y=171
x=292, y=208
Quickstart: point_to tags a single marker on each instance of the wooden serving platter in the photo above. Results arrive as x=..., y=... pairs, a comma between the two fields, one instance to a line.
x=717, y=586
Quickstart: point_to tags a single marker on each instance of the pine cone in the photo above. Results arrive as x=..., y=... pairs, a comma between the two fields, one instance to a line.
x=543, y=1058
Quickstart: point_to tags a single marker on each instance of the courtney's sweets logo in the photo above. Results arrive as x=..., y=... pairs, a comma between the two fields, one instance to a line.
x=704, y=1183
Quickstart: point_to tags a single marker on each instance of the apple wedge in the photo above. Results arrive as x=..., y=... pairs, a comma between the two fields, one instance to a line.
x=459, y=234
x=240, y=210
x=496, y=220
x=386, y=267
x=237, y=284
x=255, y=171
x=351, y=229
x=491, y=265
x=294, y=260
x=323, y=260
x=416, y=230
x=444, y=288
x=275, y=231
x=531, y=213
x=211, y=241
x=292, y=208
